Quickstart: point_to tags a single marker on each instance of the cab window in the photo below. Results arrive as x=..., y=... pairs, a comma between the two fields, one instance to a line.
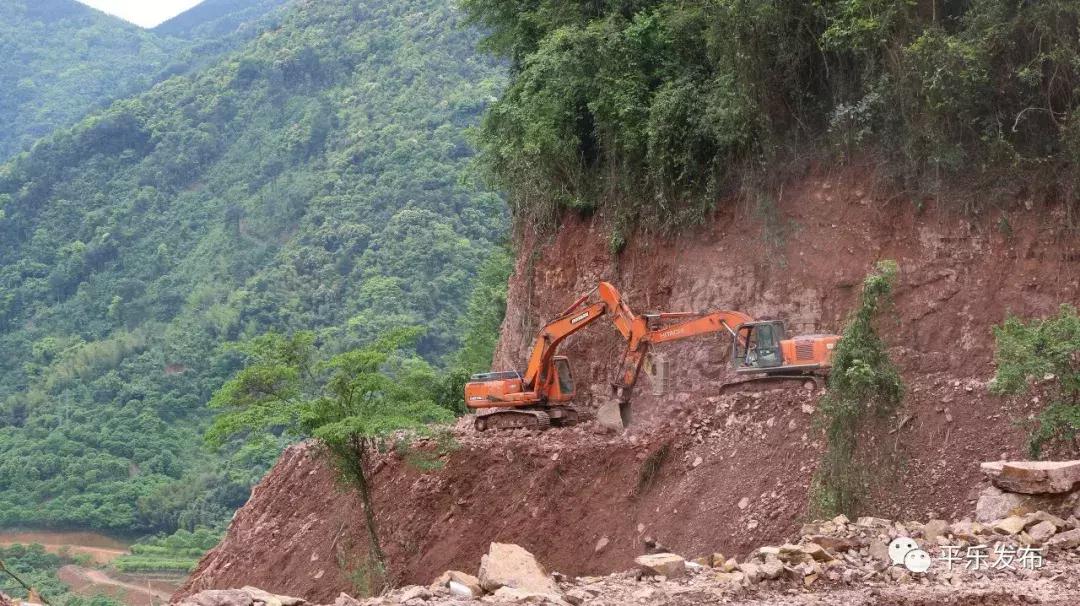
x=566, y=380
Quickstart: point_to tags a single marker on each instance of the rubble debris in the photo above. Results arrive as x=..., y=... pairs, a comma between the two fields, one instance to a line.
x=458, y=583
x=219, y=597
x=825, y=560
x=995, y=504
x=654, y=546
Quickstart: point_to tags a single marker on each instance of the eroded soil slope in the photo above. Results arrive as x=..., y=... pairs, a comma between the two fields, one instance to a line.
x=737, y=467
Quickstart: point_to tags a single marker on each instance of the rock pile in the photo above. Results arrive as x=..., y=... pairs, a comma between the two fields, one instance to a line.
x=246, y=596
x=1024, y=556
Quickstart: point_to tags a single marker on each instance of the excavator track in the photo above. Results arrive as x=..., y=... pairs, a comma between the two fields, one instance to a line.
x=513, y=419
x=808, y=382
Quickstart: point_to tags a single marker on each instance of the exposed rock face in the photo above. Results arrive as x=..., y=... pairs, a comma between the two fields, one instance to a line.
x=570, y=487
x=1034, y=477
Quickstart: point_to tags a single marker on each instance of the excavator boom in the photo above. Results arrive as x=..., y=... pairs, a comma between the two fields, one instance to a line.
x=537, y=396
x=576, y=317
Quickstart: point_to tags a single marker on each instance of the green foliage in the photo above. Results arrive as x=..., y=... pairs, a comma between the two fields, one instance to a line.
x=367, y=393
x=479, y=327
x=1043, y=357
x=217, y=18
x=351, y=403
x=178, y=552
x=310, y=180
x=863, y=383
x=484, y=312
x=655, y=109
x=38, y=569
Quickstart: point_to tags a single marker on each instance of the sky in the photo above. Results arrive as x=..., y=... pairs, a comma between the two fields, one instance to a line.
x=146, y=13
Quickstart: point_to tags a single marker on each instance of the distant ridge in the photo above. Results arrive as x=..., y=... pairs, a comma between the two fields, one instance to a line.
x=216, y=17
x=52, y=10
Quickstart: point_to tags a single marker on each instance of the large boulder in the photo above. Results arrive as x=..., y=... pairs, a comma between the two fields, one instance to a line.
x=1034, y=477
x=509, y=565
x=1065, y=540
x=666, y=564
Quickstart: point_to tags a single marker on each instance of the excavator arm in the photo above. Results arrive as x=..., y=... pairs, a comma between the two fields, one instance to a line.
x=654, y=332
x=576, y=317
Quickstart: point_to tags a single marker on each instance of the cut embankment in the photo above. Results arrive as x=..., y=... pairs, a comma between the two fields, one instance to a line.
x=702, y=472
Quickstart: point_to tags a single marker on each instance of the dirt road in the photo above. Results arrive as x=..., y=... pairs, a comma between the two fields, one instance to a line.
x=88, y=581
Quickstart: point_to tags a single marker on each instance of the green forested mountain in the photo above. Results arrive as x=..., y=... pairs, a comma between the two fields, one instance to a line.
x=312, y=179
x=62, y=59
x=216, y=18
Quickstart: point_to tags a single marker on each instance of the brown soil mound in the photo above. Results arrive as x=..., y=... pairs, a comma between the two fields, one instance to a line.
x=559, y=493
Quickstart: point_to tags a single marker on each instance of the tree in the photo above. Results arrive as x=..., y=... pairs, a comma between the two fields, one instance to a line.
x=1045, y=353
x=350, y=403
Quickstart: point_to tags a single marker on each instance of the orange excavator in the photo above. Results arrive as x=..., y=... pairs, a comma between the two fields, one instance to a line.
x=541, y=395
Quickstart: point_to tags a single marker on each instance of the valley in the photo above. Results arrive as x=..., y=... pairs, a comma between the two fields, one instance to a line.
x=267, y=269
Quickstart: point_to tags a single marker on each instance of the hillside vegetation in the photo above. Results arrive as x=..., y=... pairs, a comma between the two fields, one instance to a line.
x=213, y=19
x=63, y=59
x=312, y=180
x=655, y=109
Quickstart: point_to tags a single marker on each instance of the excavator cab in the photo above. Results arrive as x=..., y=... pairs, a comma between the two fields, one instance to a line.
x=562, y=389
x=757, y=346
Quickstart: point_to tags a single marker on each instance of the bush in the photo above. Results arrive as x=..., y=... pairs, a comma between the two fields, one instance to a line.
x=1043, y=356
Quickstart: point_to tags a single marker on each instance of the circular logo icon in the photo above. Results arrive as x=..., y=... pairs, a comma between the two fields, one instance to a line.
x=917, y=560
x=900, y=547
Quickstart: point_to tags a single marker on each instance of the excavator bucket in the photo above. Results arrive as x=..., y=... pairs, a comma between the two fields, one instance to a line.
x=614, y=415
